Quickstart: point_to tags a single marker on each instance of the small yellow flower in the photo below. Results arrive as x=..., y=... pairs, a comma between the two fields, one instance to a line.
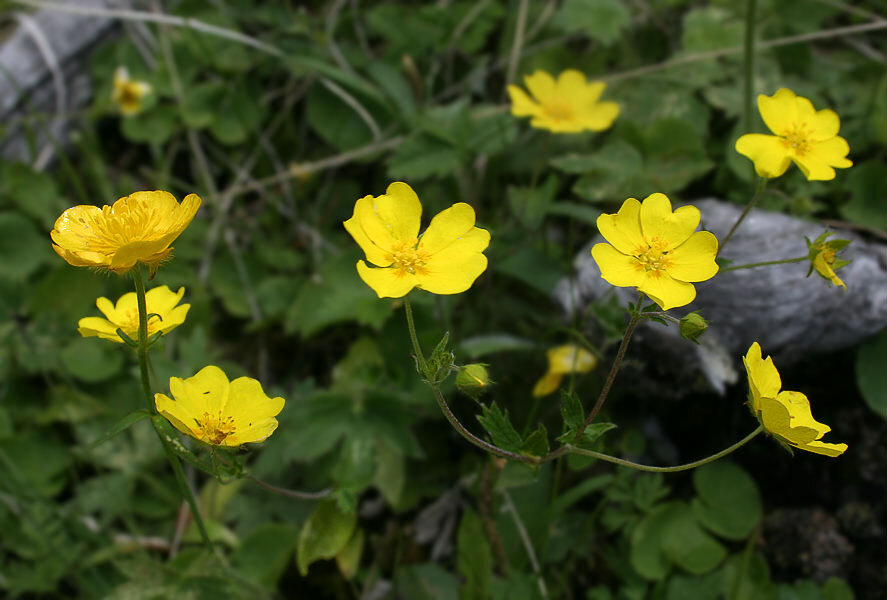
x=126, y=93
x=785, y=415
x=802, y=134
x=568, y=105
x=137, y=228
x=162, y=307
x=823, y=258
x=213, y=410
x=656, y=250
x=445, y=260
x=563, y=360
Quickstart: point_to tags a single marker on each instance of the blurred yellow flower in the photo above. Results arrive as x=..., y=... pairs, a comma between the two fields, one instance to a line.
x=164, y=315
x=824, y=259
x=213, y=410
x=802, y=134
x=445, y=260
x=656, y=250
x=785, y=415
x=126, y=93
x=137, y=228
x=563, y=360
x=567, y=105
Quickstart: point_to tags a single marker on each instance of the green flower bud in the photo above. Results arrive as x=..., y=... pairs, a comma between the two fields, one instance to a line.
x=473, y=379
x=693, y=326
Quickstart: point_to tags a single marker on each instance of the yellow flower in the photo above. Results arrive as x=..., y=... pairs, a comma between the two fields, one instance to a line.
x=126, y=93
x=213, y=410
x=164, y=315
x=785, y=415
x=137, y=228
x=823, y=258
x=803, y=134
x=656, y=250
x=445, y=260
x=562, y=361
x=568, y=105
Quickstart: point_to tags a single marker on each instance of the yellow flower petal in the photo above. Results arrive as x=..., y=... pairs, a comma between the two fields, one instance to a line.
x=570, y=358
x=599, y=116
x=376, y=254
x=176, y=413
x=617, y=268
x=662, y=226
x=767, y=152
x=107, y=308
x=401, y=210
x=387, y=282
x=443, y=276
x=825, y=269
x=252, y=410
x=521, y=104
x=448, y=226
x=694, y=260
x=98, y=327
x=541, y=85
x=547, y=384
x=666, y=291
x=762, y=374
x=623, y=229
x=823, y=124
x=824, y=448
x=803, y=427
x=818, y=160
x=780, y=112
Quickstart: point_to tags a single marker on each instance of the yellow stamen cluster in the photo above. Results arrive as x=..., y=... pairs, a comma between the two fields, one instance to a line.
x=654, y=258
x=214, y=429
x=406, y=258
x=797, y=138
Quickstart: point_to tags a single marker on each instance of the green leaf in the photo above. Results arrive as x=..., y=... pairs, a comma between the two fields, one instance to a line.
x=601, y=20
x=348, y=558
x=531, y=204
x=124, y=423
x=426, y=582
x=23, y=249
x=687, y=545
x=91, y=360
x=536, y=443
x=868, y=188
x=529, y=265
x=31, y=192
x=646, y=554
x=871, y=377
x=335, y=293
x=578, y=212
x=497, y=424
x=571, y=410
x=265, y=552
x=482, y=345
x=154, y=126
x=711, y=28
x=201, y=103
x=324, y=534
x=335, y=121
x=729, y=503
x=474, y=558
x=837, y=589
x=567, y=499
x=422, y=156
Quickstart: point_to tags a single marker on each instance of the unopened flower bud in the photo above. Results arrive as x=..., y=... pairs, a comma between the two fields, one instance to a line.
x=473, y=379
x=693, y=325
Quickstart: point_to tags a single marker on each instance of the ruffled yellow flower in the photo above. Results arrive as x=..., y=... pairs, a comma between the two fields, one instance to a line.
x=445, y=260
x=137, y=228
x=164, y=315
x=563, y=360
x=656, y=250
x=785, y=415
x=126, y=93
x=213, y=410
x=807, y=136
x=568, y=105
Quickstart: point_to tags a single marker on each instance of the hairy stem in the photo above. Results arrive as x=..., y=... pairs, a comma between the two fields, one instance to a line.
x=762, y=183
x=766, y=263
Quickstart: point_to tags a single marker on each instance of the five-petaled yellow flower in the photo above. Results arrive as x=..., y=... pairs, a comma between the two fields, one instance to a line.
x=213, y=410
x=785, y=415
x=807, y=136
x=163, y=310
x=567, y=105
x=562, y=361
x=136, y=229
x=126, y=93
x=445, y=260
x=656, y=250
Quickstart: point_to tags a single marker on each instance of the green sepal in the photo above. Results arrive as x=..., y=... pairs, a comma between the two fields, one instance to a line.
x=126, y=339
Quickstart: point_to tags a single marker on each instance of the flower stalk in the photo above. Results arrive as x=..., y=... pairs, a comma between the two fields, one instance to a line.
x=759, y=190
x=766, y=263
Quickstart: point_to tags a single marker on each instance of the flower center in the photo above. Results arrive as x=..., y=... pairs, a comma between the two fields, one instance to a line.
x=215, y=429
x=654, y=258
x=129, y=95
x=797, y=138
x=557, y=110
x=129, y=323
x=407, y=258
x=828, y=256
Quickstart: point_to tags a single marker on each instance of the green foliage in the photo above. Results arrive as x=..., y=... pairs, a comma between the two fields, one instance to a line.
x=325, y=533
x=870, y=374
x=475, y=559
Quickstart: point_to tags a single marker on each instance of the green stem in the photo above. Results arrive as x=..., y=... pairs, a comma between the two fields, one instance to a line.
x=146, y=388
x=442, y=402
x=762, y=183
x=767, y=263
x=749, y=63
x=685, y=467
x=614, y=369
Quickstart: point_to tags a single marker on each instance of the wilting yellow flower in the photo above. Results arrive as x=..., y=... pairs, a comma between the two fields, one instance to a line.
x=568, y=105
x=807, y=136
x=445, y=260
x=785, y=415
x=213, y=410
x=656, y=250
x=126, y=93
x=562, y=361
x=823, y=257
x=137, y=228
x=164, y=315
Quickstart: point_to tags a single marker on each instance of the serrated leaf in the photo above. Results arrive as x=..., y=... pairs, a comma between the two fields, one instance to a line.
x=497, y=424
x=571, y=410
x=536, y=444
